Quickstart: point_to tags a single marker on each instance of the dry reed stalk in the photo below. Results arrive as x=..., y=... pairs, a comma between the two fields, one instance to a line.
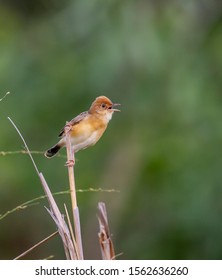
x=105, y=241
x=60, y=222
x=71, y=230
x=54, y=210
x=36, y=245
x=75, y=210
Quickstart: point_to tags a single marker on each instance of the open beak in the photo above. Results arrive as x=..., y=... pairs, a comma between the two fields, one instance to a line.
x=116, y=110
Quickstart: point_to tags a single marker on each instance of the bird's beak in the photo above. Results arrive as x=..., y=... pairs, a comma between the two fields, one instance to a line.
x=116, y=110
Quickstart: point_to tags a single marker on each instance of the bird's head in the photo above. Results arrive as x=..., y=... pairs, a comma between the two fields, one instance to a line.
x=103, y=107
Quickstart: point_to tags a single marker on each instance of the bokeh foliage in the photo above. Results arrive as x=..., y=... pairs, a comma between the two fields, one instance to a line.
x=162, y=60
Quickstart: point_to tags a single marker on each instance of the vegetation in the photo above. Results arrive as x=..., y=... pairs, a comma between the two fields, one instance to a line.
x=162, y=61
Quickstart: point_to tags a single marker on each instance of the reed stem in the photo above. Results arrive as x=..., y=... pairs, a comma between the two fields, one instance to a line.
x=75, y=210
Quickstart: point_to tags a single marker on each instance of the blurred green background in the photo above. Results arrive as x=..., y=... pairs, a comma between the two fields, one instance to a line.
x=162, y=60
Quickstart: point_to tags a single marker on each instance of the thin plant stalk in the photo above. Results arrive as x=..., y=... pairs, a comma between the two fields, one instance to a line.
x=54, y=210
x=105, y=241
x=71, y=158
x=36, y=245
x=75, y=210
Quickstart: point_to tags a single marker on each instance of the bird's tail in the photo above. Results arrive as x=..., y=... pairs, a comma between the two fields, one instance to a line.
x=53, y=151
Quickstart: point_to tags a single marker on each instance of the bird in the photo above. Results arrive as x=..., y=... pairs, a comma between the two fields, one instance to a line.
x=86, y=128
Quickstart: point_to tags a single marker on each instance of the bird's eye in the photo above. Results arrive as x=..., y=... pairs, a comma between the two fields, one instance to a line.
x=103, y=105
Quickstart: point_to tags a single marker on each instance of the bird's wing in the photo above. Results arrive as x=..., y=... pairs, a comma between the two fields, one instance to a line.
x=74, y=121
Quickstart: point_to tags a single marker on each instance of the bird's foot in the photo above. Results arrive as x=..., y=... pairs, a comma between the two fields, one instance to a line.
x=70, y=163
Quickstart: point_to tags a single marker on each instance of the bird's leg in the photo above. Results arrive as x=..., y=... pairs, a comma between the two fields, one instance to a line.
x=68, y=127
x=71, y=162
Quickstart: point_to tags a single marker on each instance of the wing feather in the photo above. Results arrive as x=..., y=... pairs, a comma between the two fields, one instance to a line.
x=74, y=121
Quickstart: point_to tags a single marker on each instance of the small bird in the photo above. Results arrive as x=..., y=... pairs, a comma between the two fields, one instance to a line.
x=88, y=127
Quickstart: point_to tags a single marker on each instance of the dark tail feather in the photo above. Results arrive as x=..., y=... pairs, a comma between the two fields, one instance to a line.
x=53, y=151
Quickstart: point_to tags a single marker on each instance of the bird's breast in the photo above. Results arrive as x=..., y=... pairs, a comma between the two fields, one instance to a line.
x=86, y=133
